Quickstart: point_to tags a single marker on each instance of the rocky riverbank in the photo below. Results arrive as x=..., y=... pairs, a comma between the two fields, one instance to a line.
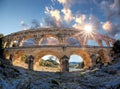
x=19, y=78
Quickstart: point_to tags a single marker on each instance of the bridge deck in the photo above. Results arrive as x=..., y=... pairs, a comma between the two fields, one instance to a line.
x=54, y=46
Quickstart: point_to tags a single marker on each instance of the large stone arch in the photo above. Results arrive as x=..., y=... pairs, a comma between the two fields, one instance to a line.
x=18, y=54
x=22, y=40
x=46, y=52
x=86, y=57
x=43, y=53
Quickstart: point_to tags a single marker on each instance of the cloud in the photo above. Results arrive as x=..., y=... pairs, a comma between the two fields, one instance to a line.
x=67, y=14
x=50, y=21
x=111, y=28
x=107, y=26
x=112, y=11
x=54, y=15
x=66, y=3
x=77, y=26
x=80, y=19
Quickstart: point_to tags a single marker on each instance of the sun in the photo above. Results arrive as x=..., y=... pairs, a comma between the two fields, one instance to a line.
x=88, y=28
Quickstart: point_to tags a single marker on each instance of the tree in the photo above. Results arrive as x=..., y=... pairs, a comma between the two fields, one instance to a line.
x=116, y=47
x=1, y=48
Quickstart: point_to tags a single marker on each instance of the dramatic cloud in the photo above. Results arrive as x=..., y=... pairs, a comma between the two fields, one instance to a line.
x=111, y=28
x=108, y=26
x=55, y=16
x=112, y=10
x=67, y=14
x=80, y=19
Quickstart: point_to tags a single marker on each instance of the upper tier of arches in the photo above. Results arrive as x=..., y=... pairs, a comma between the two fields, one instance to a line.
x=54, y=36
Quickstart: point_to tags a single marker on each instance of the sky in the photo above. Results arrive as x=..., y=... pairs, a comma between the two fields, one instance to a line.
x=102, y=15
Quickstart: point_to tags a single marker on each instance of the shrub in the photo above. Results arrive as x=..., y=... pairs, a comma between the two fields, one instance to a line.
x=116, y=47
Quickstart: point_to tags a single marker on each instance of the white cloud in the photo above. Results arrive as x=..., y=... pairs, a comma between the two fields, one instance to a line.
x=55, y=14
x=77, y=26
x=80, y=19
x=63, y=1
x=107, y=25
x=67, y=14
x=66, y=3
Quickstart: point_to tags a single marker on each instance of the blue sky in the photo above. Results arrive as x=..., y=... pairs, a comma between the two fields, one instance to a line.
x=104, y=15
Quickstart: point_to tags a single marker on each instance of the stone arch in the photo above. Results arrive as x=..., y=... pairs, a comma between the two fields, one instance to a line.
x=29, y=42
x=13, y=43
x=4, y=44
x=22, y=40
x=47, y=52
x=45, y=37
x=18, y=54
x=86, y=57
x=103, y=54
x=43, y=53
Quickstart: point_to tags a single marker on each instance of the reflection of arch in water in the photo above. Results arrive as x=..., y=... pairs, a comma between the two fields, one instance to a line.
x=86, y=57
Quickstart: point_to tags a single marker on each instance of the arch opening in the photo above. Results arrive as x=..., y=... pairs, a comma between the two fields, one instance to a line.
x=29, y=42
x=72, y=42
x=48, y=63
x=49, y=41
x=91, y=42
x=14, y=43
x=103, y=43
x=44, y=57
x=76, y=63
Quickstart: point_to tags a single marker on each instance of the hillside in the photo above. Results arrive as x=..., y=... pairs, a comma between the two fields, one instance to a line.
x=18, y=78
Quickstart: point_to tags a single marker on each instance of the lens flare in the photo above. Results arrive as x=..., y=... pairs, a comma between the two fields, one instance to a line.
x=88, y=28
x=87, y=32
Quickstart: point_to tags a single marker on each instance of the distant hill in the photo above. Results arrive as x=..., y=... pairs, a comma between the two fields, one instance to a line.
x=74, y=63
